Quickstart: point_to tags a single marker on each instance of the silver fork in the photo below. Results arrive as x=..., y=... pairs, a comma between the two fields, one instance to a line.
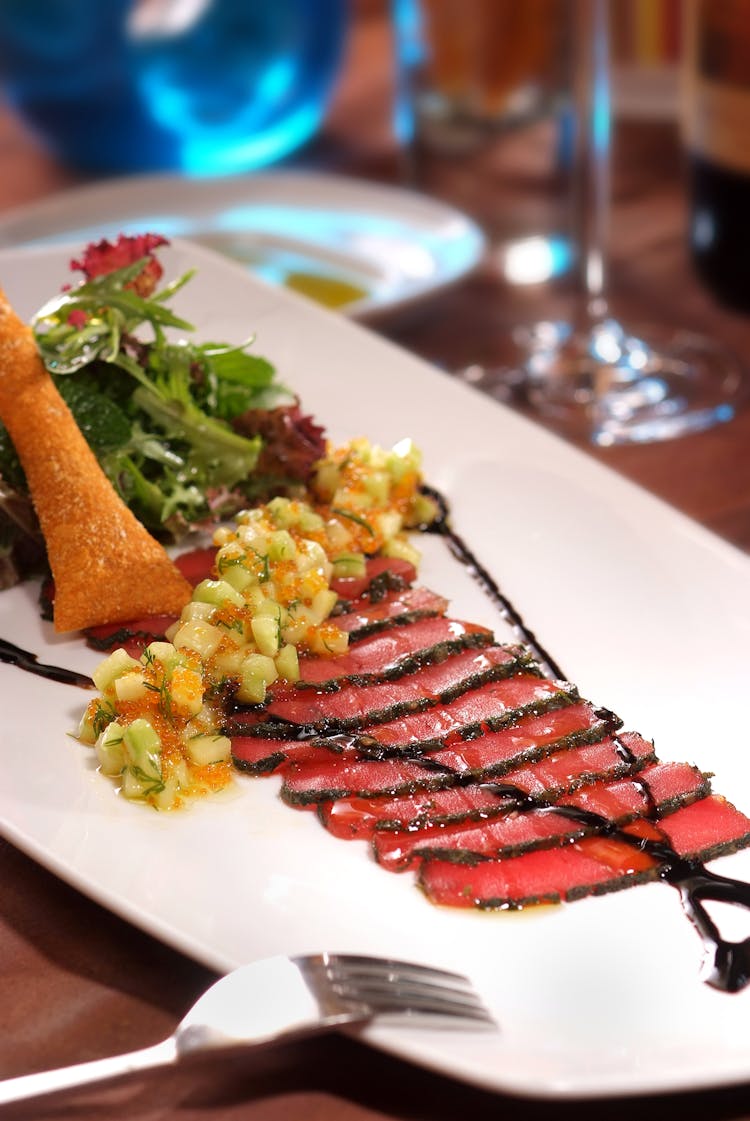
x=278, y=998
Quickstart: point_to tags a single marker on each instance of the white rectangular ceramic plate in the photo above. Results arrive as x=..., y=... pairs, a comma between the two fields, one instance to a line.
x=647, y=612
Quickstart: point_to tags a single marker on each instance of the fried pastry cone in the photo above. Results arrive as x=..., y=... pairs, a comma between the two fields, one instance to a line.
x=107, y=568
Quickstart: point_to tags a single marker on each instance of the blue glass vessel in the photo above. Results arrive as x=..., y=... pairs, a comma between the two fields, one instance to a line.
x=206, y=87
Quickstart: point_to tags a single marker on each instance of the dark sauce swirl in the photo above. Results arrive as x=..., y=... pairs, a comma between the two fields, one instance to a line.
x=726, y=963
x=13, y=655
x=461, y=551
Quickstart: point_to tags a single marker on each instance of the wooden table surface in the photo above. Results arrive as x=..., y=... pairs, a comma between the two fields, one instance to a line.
x=77, y=982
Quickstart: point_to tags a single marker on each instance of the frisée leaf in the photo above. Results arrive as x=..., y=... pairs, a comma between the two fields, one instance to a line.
x=165, y=415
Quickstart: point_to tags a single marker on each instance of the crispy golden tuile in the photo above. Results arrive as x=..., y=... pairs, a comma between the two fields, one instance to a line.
x=106, y=566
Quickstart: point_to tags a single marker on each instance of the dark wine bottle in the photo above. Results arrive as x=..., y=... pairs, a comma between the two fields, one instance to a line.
x=717, y=139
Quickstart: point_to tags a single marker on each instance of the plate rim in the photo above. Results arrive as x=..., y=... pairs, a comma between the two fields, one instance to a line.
x=387, y=198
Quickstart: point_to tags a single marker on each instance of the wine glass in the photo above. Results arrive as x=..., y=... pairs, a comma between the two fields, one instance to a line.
x=592, y=375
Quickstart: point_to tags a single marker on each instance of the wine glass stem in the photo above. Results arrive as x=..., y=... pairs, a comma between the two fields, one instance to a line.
x=591, y=165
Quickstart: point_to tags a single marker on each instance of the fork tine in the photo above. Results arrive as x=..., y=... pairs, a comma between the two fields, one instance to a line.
x=436, y=1009
x=425, y=1003
x=379, y=967
x=403, y=984
x=374, y=973
x=415, y=999
x=397, y=986
x=379, y=964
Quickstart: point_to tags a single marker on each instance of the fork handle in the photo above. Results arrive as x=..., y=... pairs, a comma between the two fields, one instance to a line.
x=84, y=1074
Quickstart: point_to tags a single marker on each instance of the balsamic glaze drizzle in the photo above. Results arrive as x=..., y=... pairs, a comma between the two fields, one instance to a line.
x=461, y=551
x=726, y=963
x=14, y=656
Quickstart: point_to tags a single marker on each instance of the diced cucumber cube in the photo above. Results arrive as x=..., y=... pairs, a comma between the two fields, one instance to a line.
x=352, y=501
x=271, y=608
x=180, y=774
x=201, y=637
x=118, y=662
x=268, y=589
x=130, y=686
x=254, y=597
x=186, y=690
x=162, y=652
x=287, y=662
x=328, y=639
x=349, y=564
x=217, y=592
x=322, y=604
x=228, y=663
x=327, y=477
x=265, y=630
x=240, y=578
x=249, y=517
x=308, y=521
x=311, y=555
x=132, y=786
x=281, y=546
x=143, y=747
x=222, y=536
x=312, y=582
x=86, y=733
x=388, y=523
x=400, y=547
x=254, y=542
x=168, y=797
x=296, y=629
x=110, y=750
x=422, y=510
x=203, y=750
x=281, y=512
x=362, y=448
x=339, y=536
x=196, y=610
x=230, y=554
x=405, y=457
x=378, y=487
x=258, y=671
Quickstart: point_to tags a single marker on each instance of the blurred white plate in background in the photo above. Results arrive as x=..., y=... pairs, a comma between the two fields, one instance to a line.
x=364, y=247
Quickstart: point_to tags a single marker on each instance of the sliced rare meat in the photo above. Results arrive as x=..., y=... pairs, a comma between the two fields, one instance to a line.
x=133, y=636
x=356, y=706
x=496, y=707
x=325, y=779
x=523, y=728
x=397, y=608
x=458, y=759
x=540, y=783
x=701, y=831
x=390, y=653
x=381, y=574
x=568, y=819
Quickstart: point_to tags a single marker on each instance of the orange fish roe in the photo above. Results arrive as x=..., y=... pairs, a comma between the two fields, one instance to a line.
x=157, y=724
x=374, y=492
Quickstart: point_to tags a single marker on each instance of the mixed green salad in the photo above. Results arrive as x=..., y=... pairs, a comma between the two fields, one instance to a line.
x=188, y=433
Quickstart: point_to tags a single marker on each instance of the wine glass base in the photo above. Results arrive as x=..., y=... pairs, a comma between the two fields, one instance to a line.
x=614, y=386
